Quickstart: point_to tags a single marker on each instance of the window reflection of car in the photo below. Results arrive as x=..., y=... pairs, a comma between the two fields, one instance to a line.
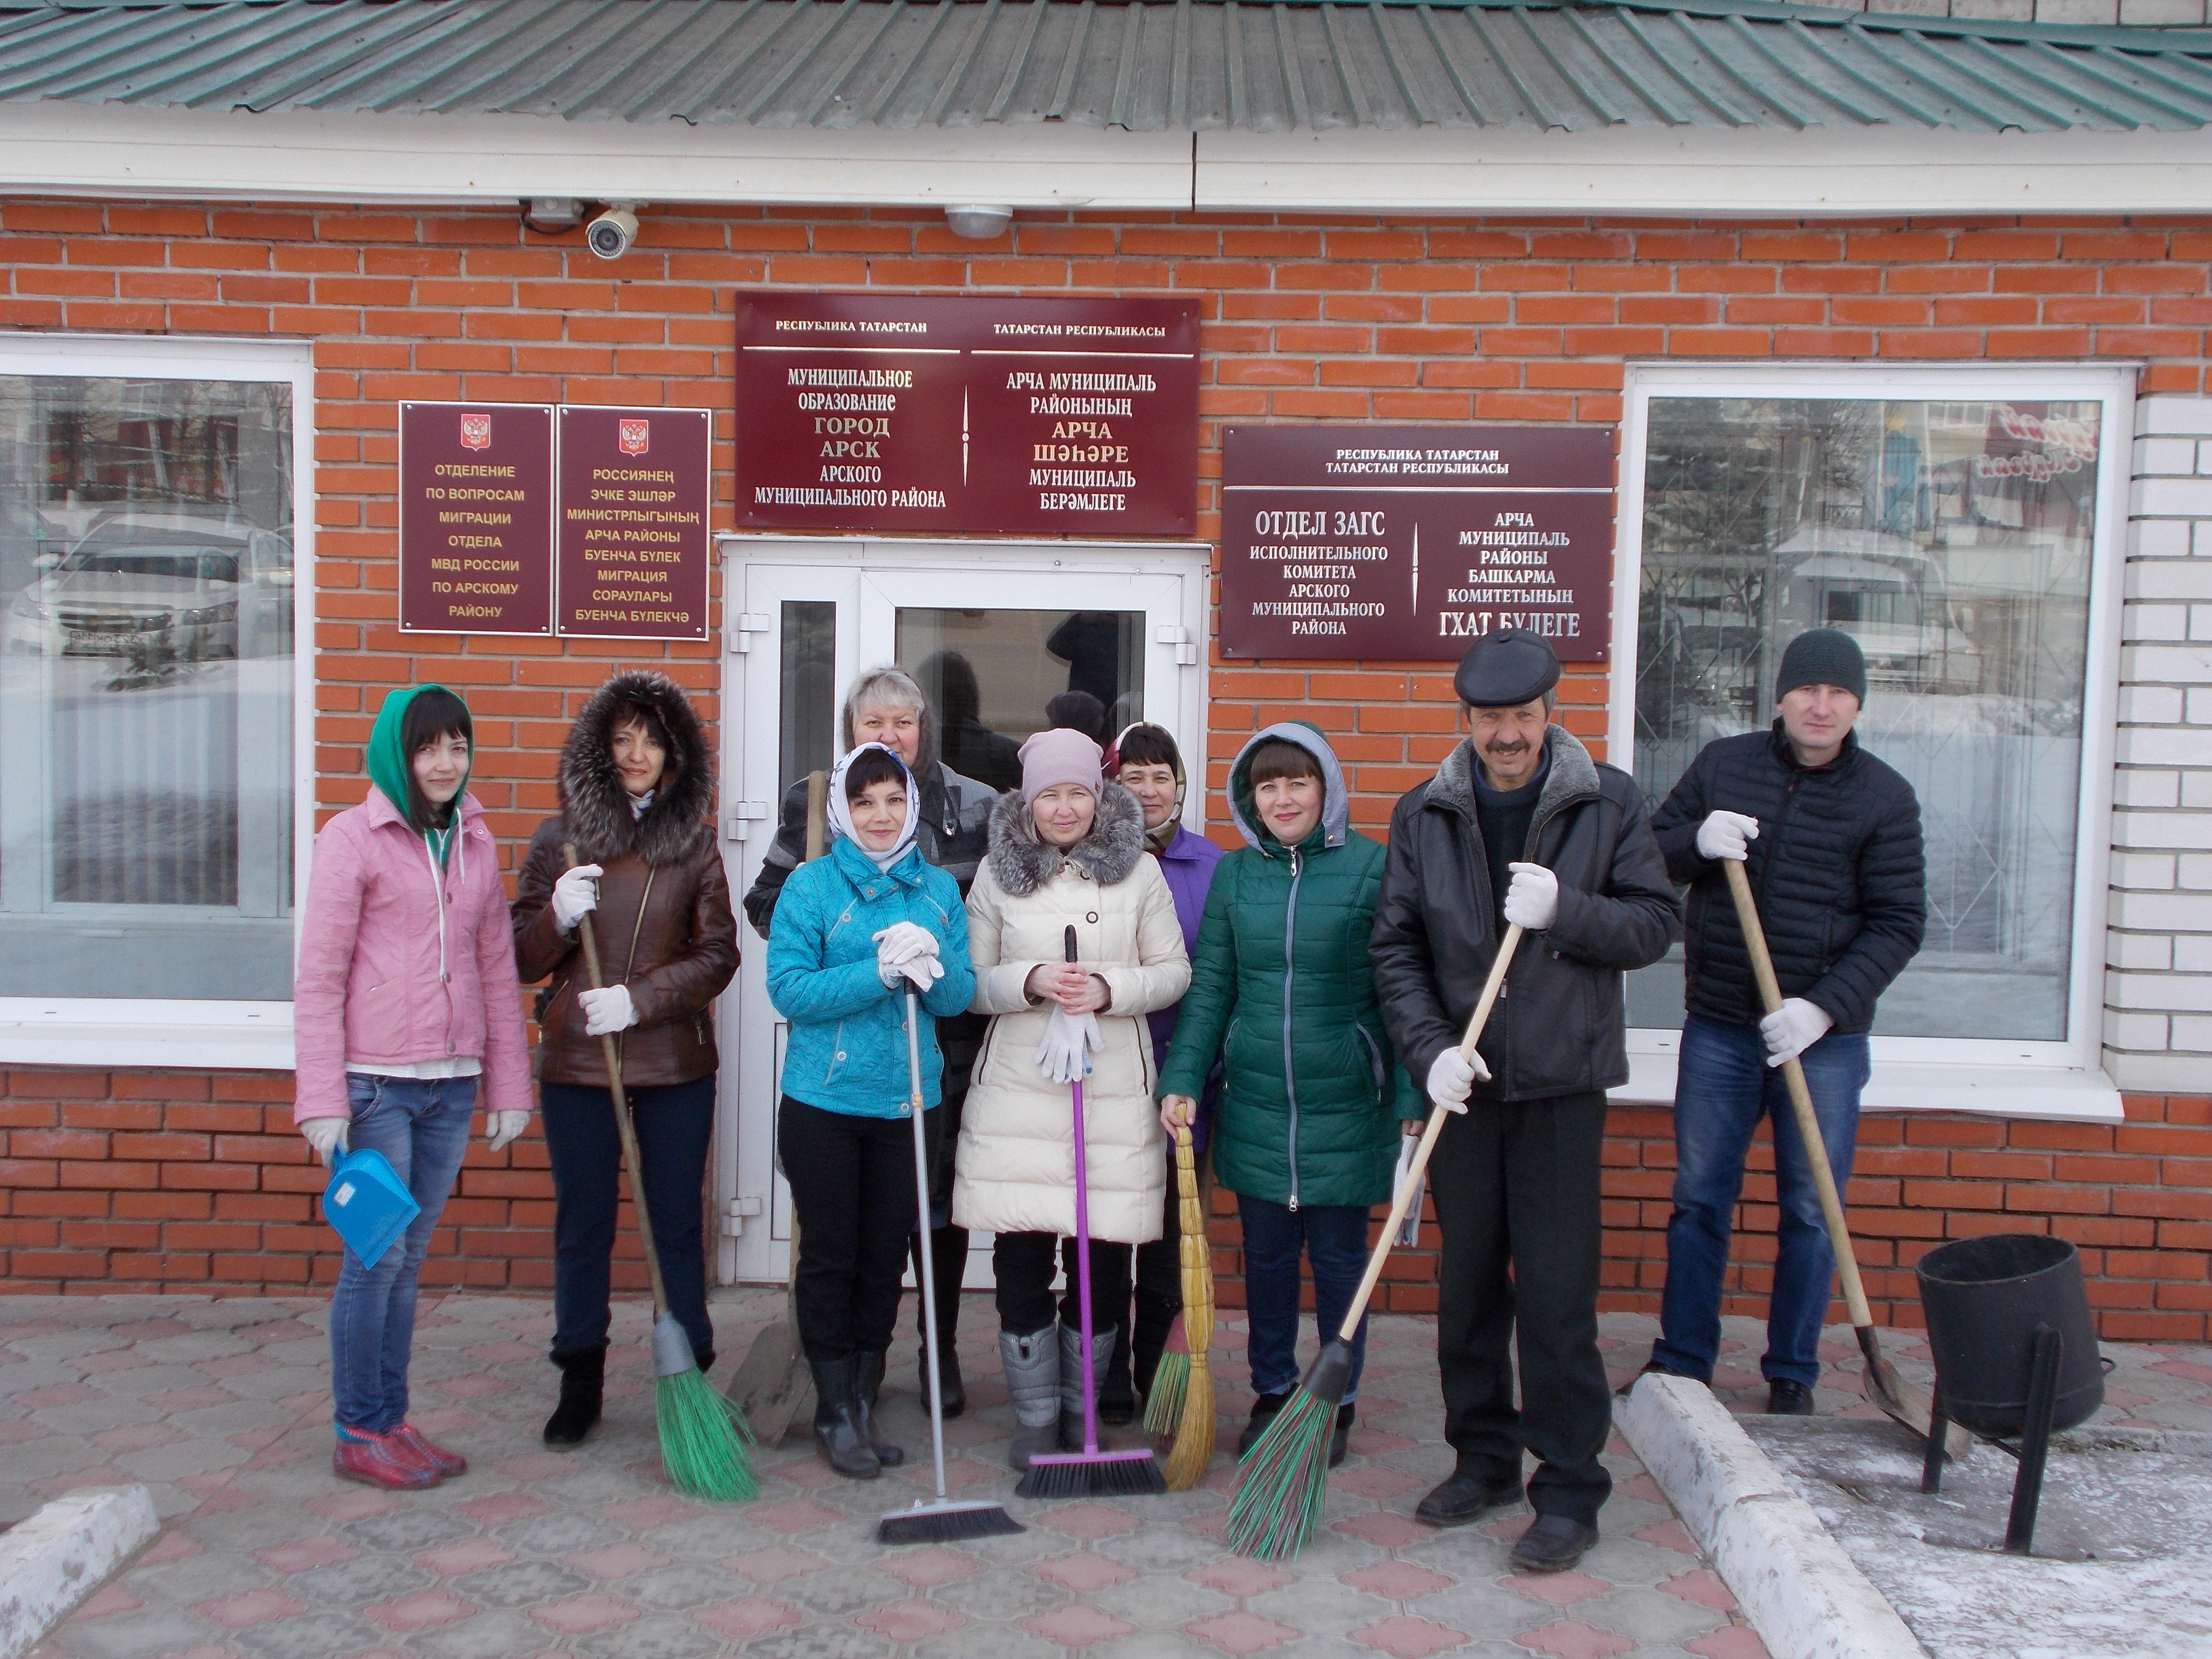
x=1886, y=593
x=25, y=535
x=191, y=588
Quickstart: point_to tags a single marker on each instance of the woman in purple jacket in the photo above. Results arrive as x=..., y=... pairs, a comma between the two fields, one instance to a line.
x=1146, y=762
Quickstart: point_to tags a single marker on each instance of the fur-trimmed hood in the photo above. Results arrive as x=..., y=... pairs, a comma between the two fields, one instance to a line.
x=596, y=812
x=1023, y=863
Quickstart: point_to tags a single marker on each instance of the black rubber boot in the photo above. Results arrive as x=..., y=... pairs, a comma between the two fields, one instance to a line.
x=583, y=1381
x=867, y=1380
x=949, y=1255
x=837, y=1432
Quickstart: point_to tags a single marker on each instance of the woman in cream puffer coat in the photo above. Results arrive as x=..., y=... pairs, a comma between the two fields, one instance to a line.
x=1014, y=1172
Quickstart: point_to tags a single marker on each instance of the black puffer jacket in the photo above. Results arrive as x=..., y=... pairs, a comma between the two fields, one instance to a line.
x=1837, y=868
x=1558, y=1029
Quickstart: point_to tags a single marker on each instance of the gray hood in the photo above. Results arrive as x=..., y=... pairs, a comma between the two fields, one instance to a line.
x=1336, y=798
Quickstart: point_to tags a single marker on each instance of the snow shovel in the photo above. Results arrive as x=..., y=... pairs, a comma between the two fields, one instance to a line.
x=1909, y=1405
x=774, y=1382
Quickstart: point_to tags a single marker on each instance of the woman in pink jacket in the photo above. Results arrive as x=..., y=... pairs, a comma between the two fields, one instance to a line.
x=406, y=1002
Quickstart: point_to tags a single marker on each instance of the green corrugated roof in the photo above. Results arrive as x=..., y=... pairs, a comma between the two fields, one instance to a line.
x=1148, y=67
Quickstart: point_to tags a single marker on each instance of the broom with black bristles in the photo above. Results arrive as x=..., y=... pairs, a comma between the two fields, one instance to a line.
x=1090, y=1472
x=702, y=1436
x=1283, y=1479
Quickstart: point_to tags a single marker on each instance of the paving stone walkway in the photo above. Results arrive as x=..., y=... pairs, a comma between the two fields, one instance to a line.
x=222, y=1408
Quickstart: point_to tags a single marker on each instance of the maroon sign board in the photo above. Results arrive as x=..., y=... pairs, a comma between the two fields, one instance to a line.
x=966, y=414
x=632, y=542
x=476, y=518
x=1408, y=542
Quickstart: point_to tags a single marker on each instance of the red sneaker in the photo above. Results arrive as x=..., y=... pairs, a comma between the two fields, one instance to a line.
x=378, y=1460
x=418, y=1446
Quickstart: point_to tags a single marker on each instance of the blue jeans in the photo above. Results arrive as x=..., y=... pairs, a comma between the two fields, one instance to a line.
x=1723, y=1086
x=1334, y=1239
x=420, y=1124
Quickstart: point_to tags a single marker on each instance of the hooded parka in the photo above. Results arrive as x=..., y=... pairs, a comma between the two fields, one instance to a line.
x=663, y=923
x=1014, y=1171
x=1282, y=991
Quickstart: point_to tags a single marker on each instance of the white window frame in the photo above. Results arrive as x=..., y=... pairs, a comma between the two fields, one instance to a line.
x=2061, y=1079
x=112, y=1033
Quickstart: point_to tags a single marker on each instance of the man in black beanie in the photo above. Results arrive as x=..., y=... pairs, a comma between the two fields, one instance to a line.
x=1519, y=825
x=1831, y=840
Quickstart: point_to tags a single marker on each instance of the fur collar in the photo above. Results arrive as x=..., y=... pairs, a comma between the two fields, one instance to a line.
x=1573, y=775
x=1022, y=863
x=595, y=812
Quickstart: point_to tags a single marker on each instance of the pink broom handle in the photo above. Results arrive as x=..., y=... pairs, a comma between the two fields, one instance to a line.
x=1411, y=1184
x=1083, y=1248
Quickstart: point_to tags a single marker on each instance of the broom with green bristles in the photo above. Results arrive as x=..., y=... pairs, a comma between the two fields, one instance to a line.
x=702, y=1436
x=1282, y=1480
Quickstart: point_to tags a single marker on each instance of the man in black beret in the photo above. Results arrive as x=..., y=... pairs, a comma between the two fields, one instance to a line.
x=1829, y=837
x=1520, y=825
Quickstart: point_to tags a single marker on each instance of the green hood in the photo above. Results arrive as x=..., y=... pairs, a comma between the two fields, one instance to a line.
x=390, y=766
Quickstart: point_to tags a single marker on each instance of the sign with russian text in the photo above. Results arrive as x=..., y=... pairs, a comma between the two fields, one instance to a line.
x=966, y=414
x=1410, y=542
x=476, y=518
x=634, y=550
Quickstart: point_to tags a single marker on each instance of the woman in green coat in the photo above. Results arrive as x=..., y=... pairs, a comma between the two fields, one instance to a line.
x=1307, y=1133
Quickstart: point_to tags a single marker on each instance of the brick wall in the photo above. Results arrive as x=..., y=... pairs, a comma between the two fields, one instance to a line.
x=195, y=1179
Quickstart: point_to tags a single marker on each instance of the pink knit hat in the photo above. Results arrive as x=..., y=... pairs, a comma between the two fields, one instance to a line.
x=1059, y=755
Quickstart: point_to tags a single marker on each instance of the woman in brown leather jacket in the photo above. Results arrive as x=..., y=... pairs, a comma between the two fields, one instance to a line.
x=636, y=802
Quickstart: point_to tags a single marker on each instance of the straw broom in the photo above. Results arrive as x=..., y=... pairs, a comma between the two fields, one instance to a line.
x=1283, y=1479
x=702, y=1436
x=1194, y=1431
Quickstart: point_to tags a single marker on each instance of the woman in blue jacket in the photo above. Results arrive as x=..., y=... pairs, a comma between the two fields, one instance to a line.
x=852, y=931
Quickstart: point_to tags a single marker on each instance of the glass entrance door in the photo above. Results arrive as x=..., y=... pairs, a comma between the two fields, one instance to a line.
x=1006, y=641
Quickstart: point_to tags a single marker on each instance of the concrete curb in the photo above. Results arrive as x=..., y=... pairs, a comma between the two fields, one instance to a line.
x=1800, y=1592
x=53, y=1561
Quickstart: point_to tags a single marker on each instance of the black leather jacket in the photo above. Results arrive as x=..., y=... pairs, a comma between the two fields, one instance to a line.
x=1560, y=1027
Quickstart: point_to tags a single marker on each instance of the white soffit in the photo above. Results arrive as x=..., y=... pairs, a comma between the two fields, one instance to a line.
x=1819, y=172
x=116, y=150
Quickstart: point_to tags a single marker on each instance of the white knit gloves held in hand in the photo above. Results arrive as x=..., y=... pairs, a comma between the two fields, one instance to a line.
x=1726, y=835
x=1452, y=1078
x=1792, y=1028
x=1533, y=900
x=327, y=1135
x=1064, y=1054
x=576, y=892
x=608, y=1012
x=908, y=951
x=503, y=1129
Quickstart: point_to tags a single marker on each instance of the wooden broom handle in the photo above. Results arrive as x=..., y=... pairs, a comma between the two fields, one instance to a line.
x=590, y=943
x=818, y=815
x=1801, y=1099
x=1480, y=1017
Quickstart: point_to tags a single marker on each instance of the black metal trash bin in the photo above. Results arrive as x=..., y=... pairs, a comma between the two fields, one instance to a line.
x=1983, y=1299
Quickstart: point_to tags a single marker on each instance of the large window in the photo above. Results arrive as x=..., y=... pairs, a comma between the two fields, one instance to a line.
x=147, y=523
x=1954, y=531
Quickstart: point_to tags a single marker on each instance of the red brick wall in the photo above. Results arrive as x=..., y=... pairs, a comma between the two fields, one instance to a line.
x=195, y=1179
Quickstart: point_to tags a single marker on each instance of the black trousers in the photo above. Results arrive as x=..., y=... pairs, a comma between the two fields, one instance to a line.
x=1516, y=1190
x=958, y=1037
x=675, y=1122
x=1022, y=1263
x=852, y=1185
x=1158, y=1295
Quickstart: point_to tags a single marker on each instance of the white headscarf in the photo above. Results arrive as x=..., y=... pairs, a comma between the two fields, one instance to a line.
x=841, y=810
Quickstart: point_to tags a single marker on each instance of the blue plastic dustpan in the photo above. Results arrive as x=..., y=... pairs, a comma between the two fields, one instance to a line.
x=368, y=1204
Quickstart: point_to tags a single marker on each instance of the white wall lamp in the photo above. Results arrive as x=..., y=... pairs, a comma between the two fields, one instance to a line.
x=979, y=222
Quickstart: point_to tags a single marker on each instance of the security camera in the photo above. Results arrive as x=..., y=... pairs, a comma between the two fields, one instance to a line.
x=612, y=233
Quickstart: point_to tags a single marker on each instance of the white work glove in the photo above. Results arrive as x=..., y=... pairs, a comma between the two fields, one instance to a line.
x=576, y=892
x=1452, y=1078
x=502, y=1129
x=1726, y=835
x=1533, y=900
x=608, y=1011
x=906, y=950
x=1792, y=1028
x=1064, y=1054
x=327, y=1135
